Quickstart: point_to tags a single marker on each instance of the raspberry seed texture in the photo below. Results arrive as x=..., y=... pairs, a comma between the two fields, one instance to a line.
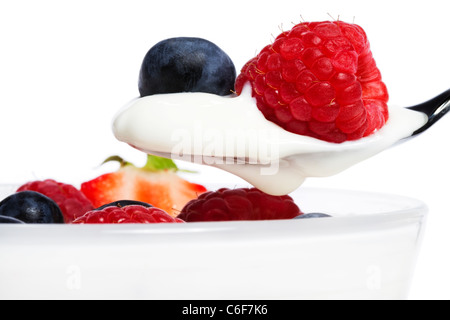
x=320, y=80
x=239, y=204
x=126, y=214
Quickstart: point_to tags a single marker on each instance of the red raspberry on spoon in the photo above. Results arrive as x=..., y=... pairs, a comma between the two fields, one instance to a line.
x=320, y=80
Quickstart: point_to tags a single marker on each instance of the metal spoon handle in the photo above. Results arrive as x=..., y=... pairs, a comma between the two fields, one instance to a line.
x=434, y=108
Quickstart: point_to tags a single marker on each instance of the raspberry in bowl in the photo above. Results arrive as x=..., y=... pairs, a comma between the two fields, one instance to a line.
x=365, y=249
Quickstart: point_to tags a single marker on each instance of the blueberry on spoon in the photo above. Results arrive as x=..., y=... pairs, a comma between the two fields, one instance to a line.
x=186, y=64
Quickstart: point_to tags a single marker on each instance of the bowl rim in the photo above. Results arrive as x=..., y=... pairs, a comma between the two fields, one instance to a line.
x=414, y=214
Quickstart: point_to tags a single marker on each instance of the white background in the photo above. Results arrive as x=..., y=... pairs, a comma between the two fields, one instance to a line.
x=66, y=68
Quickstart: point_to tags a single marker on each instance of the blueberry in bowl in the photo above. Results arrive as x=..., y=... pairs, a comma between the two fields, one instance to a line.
x=30, y=207
x=6, y=219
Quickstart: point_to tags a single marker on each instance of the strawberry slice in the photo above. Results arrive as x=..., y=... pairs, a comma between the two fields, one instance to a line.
x=156, y=183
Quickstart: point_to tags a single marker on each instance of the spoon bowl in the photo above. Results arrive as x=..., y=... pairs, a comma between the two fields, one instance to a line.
x=216, y=131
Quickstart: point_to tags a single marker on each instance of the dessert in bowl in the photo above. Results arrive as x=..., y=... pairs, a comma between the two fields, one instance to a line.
x=310, y=104
x=366, y=250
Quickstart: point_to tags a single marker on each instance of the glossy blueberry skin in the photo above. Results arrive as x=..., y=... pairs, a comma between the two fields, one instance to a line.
x=312, y=215
x=124, y=203
x=186, y=65
x=31, y=207
x=6, y=219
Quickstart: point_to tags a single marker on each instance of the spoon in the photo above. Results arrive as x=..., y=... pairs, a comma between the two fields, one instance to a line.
x=197, y=127
x=434, y=108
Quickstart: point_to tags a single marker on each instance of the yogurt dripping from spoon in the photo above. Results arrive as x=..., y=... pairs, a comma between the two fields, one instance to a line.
x=230, y=133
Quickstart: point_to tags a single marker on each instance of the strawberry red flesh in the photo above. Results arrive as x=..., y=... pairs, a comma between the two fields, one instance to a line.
x=162, y=188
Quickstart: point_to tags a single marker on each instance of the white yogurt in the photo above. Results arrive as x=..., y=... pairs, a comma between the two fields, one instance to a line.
x=230, y=133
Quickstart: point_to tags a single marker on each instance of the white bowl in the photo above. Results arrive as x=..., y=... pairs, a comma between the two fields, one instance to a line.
x=367, y=250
